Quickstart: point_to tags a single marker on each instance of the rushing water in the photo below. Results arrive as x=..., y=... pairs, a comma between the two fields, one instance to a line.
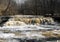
x=48, y=26
x=54, y=26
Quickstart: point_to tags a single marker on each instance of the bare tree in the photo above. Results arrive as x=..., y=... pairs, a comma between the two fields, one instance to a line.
x=4, y=12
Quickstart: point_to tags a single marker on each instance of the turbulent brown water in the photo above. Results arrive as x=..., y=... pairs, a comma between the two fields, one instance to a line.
x=56, y=24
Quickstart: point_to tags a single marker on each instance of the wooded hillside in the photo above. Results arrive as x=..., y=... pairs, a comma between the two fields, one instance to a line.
x=30, y=7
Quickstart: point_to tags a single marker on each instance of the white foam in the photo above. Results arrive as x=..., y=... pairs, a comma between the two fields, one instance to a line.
x=7, y=35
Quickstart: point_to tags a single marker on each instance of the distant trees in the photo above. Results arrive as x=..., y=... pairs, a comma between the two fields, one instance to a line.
x=32, y=7
x=39, y=7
